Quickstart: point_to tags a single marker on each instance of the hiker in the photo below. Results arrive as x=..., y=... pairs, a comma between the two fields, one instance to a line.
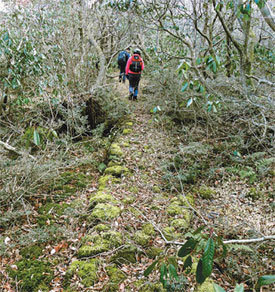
x=134, y=67
x=122, y=59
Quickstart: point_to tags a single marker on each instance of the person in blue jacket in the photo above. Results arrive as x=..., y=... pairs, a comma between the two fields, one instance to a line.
x=122, y=59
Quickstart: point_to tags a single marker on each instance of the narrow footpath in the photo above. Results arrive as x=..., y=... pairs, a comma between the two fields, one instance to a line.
x=131, y=212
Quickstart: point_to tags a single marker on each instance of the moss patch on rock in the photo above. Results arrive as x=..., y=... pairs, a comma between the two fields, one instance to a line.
x=102, y=227
x=101, y=197
x=96, y=244
x=148, y=229
x=115, y=150
x=32, y=274
x=207, y=286
x=85, y=270
x=127, y=131
x=141, y=238
x=169, y=233
x=180, y=224
x=116, y=276
x=104, y=212
x=143, y=286
x=104, y=181
x=116, y=170
x=206, y=193
x=125, y=255
x=153, y=252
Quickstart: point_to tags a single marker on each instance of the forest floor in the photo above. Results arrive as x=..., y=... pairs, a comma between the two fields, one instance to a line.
x=127, y=216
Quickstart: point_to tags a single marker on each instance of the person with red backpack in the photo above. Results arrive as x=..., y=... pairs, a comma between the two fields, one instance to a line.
x=122, y=59
x=134, y=67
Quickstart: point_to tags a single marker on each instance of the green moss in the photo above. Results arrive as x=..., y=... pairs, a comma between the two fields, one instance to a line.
x=129, y=200
x=181, y=224
x=125, y=255
x=141, y=238
x=101, y=197
x=184, y=200
x=148, y=229
x=254, y=194
x=32, y=274
x=85, y=270
x=207, y=286
x=206, y=193
x=174, y=209
x=113, y=237
x=116, y=276
x=104, y=181
x=31, y=252
x=114, y=163
x=90, y=250
x=116, y=170
x=104, y=212
x=125, y=144
x=102, y=227
x=156, y=189
x=144, y=286
x=127, y=131
x=115, y=150
x=130, y=124
x=169, y=233
x=53, y=208
x=153, y=252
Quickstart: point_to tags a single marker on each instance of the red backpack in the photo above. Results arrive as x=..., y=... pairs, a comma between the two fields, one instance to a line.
x=136, y=64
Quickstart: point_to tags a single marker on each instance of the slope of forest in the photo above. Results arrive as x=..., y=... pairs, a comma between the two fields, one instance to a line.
x=174, y=192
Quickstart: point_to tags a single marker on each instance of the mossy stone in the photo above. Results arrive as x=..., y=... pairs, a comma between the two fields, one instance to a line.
x=144, y=286
x=207, y=286
x=153, y=252
x=31, y=252
x=86, y=271
x=116, y=276
x=169, y=233
x=116, y=150
x=101, y=197
x=206, y=193
x=141, y=238
x=104, y=212
x=102, y=227
x=127, y=131
x=181, y=224
x=148, y=229
x=125, y=255
x=113, y=237
x=174, y=209
x=103, y=181
x=129, y=200
x=114, y=163
x=32, y=274
x=90, y=250
x=117, y=170
x=156, y=189
x=130, y=124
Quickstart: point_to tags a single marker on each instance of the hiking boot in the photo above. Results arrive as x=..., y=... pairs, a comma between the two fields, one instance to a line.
x=135, y=98
x=131, y=96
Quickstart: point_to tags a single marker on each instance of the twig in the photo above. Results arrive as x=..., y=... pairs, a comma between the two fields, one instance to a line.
x=11, y=148
x=260, y=80
x=252, y=240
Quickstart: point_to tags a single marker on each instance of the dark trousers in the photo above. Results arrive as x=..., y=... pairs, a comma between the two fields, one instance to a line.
x=122, y=72
x=133, y=83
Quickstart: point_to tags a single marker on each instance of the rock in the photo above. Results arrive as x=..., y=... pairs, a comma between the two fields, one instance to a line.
x=148, y=229
x=102, y=227
x=141, y=238
x=116, y=170
x=181, y=224
x=207, y=286
x=85, y=270
x=127, y=131
x=116, y=150
x=104, y=212
x=101, y=197
x=103, y=181
x=116, y=276
x=125, y=255
x=153, y=252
